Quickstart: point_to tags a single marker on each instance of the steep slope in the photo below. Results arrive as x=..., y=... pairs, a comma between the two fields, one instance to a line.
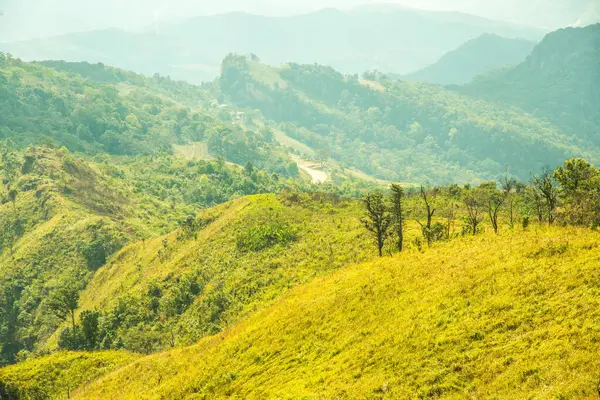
x=394, y=130
x=485, y=53
x=351, y=41
x=486, y=317
x=559, y=81
x=61, y=220
x=230, y=261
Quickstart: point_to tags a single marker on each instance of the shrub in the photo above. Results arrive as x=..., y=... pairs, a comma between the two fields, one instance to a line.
x=264, y=236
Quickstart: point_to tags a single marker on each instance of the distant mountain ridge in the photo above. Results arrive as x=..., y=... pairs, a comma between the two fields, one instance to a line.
x=559, y=81
x=350, y=41
x=485, y=53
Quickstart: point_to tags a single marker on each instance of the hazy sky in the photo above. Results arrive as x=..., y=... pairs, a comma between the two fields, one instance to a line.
x=34, y=18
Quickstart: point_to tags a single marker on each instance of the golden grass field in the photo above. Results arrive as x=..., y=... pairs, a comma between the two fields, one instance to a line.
x=514, y=316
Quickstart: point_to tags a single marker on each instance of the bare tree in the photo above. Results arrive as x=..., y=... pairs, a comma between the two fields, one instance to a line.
x=377, y=219
x=509, y=185
x=397, y=213
x=449, y=212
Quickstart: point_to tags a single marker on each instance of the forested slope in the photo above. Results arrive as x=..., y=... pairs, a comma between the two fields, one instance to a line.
x=94, y=109
x=410, y=132
x=559, y=82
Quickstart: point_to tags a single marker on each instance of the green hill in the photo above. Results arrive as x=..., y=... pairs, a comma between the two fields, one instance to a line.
x=178, y=288
x=558, y=82
x=410, y=132
x=486, y=317
x=477, y=56
x=65, y=220
x=94, y=109
x=62, y=219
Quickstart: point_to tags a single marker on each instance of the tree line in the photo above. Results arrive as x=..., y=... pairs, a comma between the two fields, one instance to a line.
x=568, y=195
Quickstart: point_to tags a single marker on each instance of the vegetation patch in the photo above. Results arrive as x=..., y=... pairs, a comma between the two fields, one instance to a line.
x=264, y=236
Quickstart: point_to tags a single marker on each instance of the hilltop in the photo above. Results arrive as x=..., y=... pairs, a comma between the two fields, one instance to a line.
x=477, y=56
x=492, y=317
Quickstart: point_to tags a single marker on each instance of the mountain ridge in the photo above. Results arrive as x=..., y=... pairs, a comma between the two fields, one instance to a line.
x=477, y=56
x=335, y=37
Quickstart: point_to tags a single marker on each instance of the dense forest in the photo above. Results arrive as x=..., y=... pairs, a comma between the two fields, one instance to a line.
x=93, y=109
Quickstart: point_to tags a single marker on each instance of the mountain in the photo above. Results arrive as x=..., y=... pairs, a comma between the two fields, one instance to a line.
x=559, y=82
x=94, y=109
x=409, y=132
x=485, y=53
x=351, y=41
x=479, y=317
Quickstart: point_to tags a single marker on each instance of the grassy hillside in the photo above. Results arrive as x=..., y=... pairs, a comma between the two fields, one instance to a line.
x=57, y=376
x=238, y=257
x=485, y=53
x=408, y=132
x=62, y=218
x=65, y=221
x=485, y=317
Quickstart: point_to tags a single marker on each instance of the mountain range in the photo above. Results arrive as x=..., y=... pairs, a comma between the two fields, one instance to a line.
x=351, y=41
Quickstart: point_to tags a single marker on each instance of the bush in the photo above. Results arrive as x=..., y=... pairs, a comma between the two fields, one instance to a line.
x=71, y=341
x=265, y=236
x=436, y=233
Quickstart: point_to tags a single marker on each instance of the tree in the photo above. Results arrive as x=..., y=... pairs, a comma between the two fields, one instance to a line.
x=493, y=199
x=546, y=186
x=377, y=219
x=64, y=299
x=510, y=186
x=429, y=212
x=580, y=192
x=10, y=169
x=249, y=168
x=574, y=175
x=397, y=213
x=535, y=202
x=89, y=328
x=474, y=206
